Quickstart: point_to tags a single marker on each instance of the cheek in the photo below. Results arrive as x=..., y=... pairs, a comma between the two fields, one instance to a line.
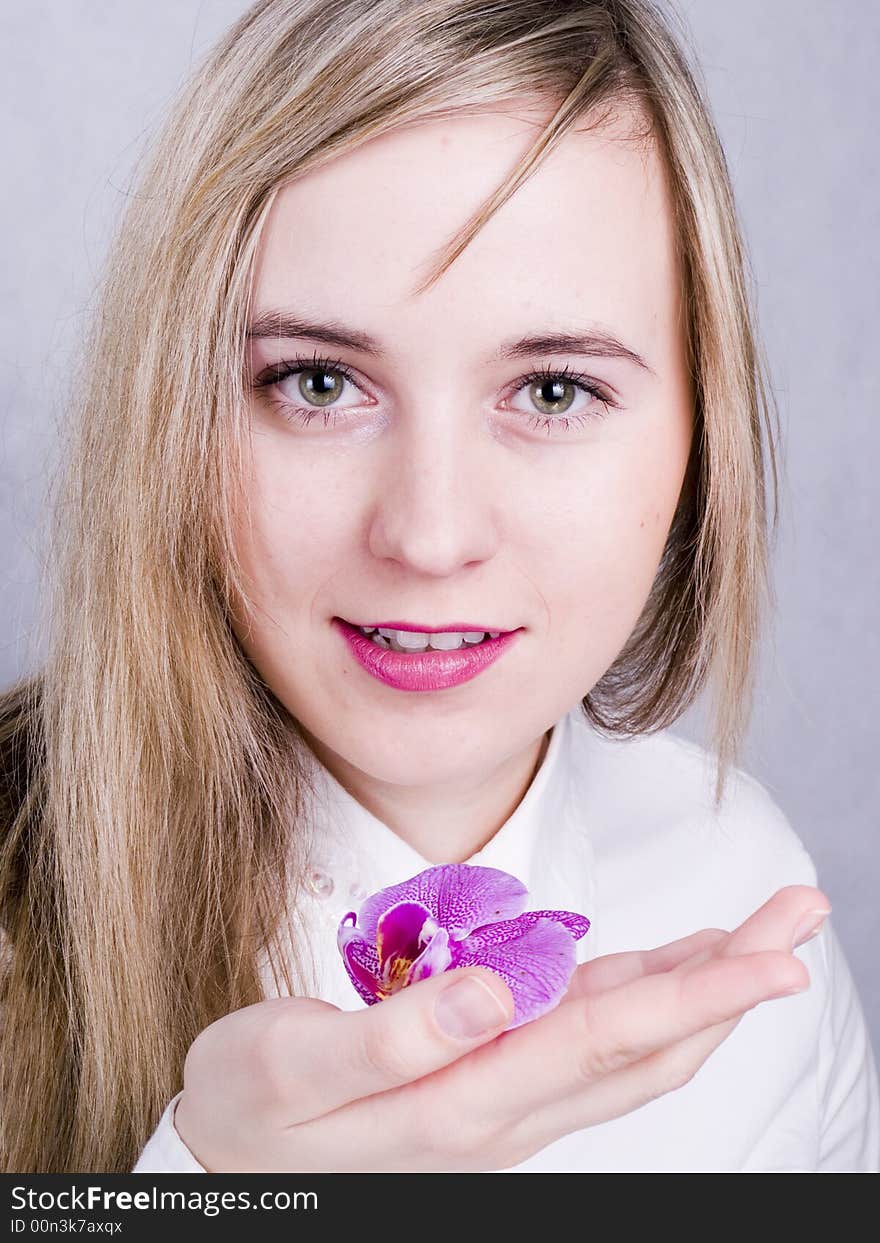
x=295, y=532
x=300, y=522
x=603, y=531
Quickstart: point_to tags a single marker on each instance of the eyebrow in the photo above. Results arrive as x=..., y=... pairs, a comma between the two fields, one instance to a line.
x=596, y=343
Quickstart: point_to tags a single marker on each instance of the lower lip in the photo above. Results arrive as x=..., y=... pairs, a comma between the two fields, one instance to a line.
x=424, y=671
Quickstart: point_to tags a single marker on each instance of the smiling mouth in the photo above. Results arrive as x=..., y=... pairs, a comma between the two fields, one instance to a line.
x=414, y=642
x=415, y=664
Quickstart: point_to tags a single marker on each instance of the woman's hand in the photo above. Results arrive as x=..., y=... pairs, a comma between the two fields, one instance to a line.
x=297, y=1085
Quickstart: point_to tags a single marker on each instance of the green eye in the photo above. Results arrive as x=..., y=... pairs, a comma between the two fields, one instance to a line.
x=549, y=395
x=321, y=382
x=318, y=386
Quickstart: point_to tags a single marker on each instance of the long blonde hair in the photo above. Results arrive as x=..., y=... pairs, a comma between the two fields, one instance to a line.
x=151, y=800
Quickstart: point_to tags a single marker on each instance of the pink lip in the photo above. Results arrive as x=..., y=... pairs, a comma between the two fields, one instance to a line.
x=424, y=671
x=464, y=627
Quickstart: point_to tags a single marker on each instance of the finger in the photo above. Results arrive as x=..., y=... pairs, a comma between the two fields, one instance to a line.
x=772, y=926
x=629, y=1088
x=330, y=1059
x=719, y=978
x=507, y=1088
x=582, y=1040
x=767, y=928
x=671, y=1067
x=611, y=970
x=618, y=1093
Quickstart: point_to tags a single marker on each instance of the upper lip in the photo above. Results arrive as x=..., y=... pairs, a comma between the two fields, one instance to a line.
x=444, y=629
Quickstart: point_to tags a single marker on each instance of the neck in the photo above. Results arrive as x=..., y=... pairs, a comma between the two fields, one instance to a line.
x=447, y=823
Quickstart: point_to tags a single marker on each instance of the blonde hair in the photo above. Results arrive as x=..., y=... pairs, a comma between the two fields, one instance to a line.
x=150, y=787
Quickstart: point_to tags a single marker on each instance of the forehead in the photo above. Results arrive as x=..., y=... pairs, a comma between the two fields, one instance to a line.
x=587, y=240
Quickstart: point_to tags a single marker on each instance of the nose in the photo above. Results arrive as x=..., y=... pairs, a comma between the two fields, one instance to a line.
x=434, y=508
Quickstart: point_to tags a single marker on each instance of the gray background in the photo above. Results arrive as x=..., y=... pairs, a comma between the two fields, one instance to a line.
x=796, y=97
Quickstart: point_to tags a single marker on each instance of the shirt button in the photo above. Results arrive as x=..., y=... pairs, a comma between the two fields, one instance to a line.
x=320, y=883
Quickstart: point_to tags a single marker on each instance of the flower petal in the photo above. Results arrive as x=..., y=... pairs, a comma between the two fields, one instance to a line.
x=510, y=929
x=435, y=957
x=577, y=925
x=460, y=896
x=361, y=962
x=536, y=965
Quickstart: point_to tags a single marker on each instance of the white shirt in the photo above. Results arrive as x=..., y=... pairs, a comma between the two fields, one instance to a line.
x=624, y=832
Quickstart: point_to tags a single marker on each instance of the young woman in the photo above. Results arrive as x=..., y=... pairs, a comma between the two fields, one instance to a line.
x=426, y=328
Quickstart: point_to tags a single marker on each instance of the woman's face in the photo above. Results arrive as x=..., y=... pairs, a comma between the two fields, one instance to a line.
x=432, y=485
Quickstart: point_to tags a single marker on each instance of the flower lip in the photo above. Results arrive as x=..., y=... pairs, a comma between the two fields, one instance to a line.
x=417, y=628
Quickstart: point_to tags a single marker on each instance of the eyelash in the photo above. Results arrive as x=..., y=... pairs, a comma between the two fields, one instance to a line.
x=278, y=372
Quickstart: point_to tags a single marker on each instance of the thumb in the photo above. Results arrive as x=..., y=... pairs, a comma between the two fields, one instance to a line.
x=356, y=1053
x=473, y=1006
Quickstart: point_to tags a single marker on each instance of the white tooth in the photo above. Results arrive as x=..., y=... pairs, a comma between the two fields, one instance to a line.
x=418, y=641
x=493, y=634
x=367, y=629
x=445, y=642
x=409, y=641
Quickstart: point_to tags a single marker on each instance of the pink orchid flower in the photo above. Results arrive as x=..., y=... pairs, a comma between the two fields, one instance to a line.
x=460, y=915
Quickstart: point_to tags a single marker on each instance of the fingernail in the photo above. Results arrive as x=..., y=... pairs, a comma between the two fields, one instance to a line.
x=469, y=1008
x=809, y=926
